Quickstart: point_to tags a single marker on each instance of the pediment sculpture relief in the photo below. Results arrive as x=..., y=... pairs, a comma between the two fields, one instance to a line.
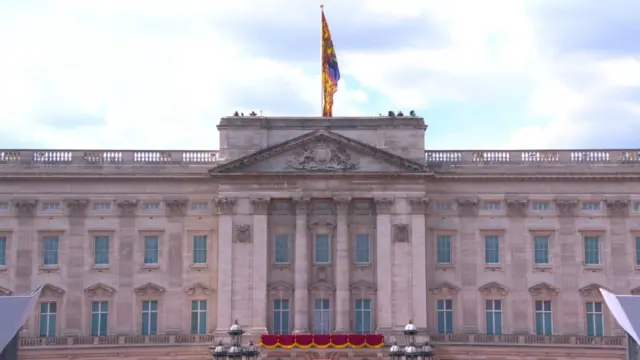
x=243, y=233
x=401, y=233
x=322, y=287
x=5, y=292
x=543, y=289
x=591, y=290
x=322, y=156
x=197, y=288
x=99, y=290
x=494, y=289
x=149, y=289
x=445, y=288
x=51, y=290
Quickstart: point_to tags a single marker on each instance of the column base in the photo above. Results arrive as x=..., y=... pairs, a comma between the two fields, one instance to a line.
x=301, y=331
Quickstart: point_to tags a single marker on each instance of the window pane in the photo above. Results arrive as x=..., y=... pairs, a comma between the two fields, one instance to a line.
x=3, y=251
x=443, y=243
x=322, y=249
x=281, y=255
x=151, y=250
x=638, y=250
x=591, y=250
x=492, y=249
x=50, y=250
x=541, y=250
x=362, y=248
x=200, y=249
x=101, y=250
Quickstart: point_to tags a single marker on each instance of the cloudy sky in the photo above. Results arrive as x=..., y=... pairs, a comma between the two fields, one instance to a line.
x=155, y=74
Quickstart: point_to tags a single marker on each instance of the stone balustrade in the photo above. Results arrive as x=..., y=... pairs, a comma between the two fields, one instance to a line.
x=107, y=157
x=115, y=340
x=532, y=157
x=528, y=340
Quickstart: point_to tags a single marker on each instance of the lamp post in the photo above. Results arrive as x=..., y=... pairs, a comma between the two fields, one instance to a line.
x=411, y=351
x=236, y=351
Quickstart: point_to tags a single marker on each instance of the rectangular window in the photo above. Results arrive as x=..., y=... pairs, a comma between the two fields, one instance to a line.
x=200, y=249
x=363, y=316
x=322, y=316
x=362, y=205
x=595, y=324
x=443, y=206
x=637, y=250
x=591, y=250
x=492, y=249
x=322, y=249
x=281, y=206
x=321, y=206
x=493, y=310
x=281, y=309
x=541, y=250
x=149, y=317
x=4, y=206
x=48, y=312
x=591, y=206
x=101, y=250
x=151, y=206
x=492, y=205
x=199, y=316
x=50, y=250
x=543, y=317
x=199, y=206
x=50, y=206
x=151, y=250
x=363, y=250
x=540, y=206
x=3, y=251
x=636, y=206
x=101, y=206
x=443, y=249
x=281, y=249
x=445, y=316
x=99, y=316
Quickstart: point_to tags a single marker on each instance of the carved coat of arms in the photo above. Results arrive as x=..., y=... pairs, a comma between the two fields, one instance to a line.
x=322, y=157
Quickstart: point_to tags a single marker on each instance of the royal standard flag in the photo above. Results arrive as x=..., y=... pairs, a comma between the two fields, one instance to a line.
x=330, y=70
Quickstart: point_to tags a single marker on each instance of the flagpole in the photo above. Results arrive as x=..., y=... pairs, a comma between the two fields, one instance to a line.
x=321, y=62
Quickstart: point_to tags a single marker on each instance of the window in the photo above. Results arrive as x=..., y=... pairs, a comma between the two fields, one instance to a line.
x=595, y=326
x=363, y=251
x=199, y=206
x=151, y=206
x=492, y=205
x=281, y=247
x=48, y=319
x=492, y=249
x=50, y=206
x=200, y=249
x=637, y=250
x=591, y=206
x=443, y=206
x=4, y=206
x=540, y=206
x=362, y=205
x=636, y=206
x=3, y=251
x=591, y=250
x=199, y=316
x=101, y=250
x=322, y=249
x=443, y=249
x=99, y=316
x=281, y=310
x=321, y=206
x=363, y=316
x=149, y=317
x=543, y=317
x=494, y=316
x=541, y=250
x=321, y=316
x=101, y=206
x=445, y=316
x=50, y=251
x=151, y=250
x=281, y=206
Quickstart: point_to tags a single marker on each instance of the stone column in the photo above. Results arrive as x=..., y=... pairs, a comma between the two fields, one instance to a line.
x=470, y=254
x=225, y=208
x=175, y=210
x=25, y=210
x=520, y=265
x=342, y=266
x=260, y=267
x=570, y=264
x=419, y=304
x=383, y=262
x=74, y=264
x=125, y=324
x=618, y=212
x=301, y=267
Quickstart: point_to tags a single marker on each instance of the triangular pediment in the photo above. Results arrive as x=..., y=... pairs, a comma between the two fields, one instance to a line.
x=197, y=288
x=51, y=290
x=445, y=288
x=99, y=289
x=591, y=290
x=149, y=289
x=280, y=286
x=362, y=286
x=5, y=292
x=321, y=286
x=494, y=288
x=320, y=151
x=543, y=289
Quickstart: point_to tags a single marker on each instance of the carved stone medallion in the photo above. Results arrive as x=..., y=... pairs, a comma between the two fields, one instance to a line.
x=401, y=233
x=322, y=156
x=243, y=233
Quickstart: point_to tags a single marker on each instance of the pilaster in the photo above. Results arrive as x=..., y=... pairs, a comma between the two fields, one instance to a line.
x=470, y=254
x=126, y=265
x=260, y=265
x=175, y=212
x=74, y=265
x=342, y=266
x=225, y=208
x=520, y=263
x=384, y=296
x=25, y=210
x=569, y=265
x=618, y=270
x=419, y=304
x=301, y=266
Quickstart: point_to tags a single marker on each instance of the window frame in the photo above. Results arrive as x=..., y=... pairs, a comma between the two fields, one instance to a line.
x=276, y=249
x=356, y=252
x=445, y=311
x=150, y=311
x=278, y=312
x=201, y=315
x=324, y=314
x=362, y=311
x=493, y=311
x=315, y=248
x=48, y=314
x=543, y=312
x=99, y=312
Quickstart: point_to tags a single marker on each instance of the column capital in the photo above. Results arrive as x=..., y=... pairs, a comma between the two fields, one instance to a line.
x=383, y=205
x=176, y=207
x=342, y=204
x=25, y=207
x=617, y=207
x=127, y=206
x=260, y=205
x=419, y=205
x=566, y=207
x=225, y=206
x=517, y=207
x=302, y=204
x=467, y=207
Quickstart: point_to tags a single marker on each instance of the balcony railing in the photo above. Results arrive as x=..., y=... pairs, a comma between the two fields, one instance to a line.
x=115, y=340
x=107, y=157
x=532, y=157
x=520, y=340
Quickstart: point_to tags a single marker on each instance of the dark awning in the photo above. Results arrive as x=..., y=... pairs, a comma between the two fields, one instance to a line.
x=14, y=312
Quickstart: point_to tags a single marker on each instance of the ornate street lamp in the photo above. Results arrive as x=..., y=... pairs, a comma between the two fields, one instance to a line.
x=236, y=351
x=410, y=351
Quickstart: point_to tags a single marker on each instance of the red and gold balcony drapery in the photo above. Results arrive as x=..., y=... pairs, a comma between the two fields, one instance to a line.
x=306, y=341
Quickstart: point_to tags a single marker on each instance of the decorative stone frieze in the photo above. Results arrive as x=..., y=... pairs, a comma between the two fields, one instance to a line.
x=517, y=207
x=176, y=207
x=467, y=207
x=566, y=207
x=342, y=204
x=25, y=207
x=99, y=290
x=225, y=206
x=242, y=233
x=322, y=156
x=127, y=207
x=260, y=206
x=419, y=205
x=197, y=288
x=445, y=289
x=149, y=289
x=401, y=233
x=543, y=289
x=618, y=207
x=302, y=205
x=493, y=289
x=77, y=207
x=384, y=206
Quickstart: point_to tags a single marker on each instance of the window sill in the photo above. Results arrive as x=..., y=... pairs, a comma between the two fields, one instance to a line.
x=150, y=266
x=362, y=265
x=49, y=268
x=100, y=267
x=199, y=265
x=637, y=267
x=445, y=266
x=542, y=267
x=593, y=268
x=3, y=268
x=492, y=267
x=281, y=265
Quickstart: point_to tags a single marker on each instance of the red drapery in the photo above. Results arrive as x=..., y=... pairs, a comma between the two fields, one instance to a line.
x=305, y=341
